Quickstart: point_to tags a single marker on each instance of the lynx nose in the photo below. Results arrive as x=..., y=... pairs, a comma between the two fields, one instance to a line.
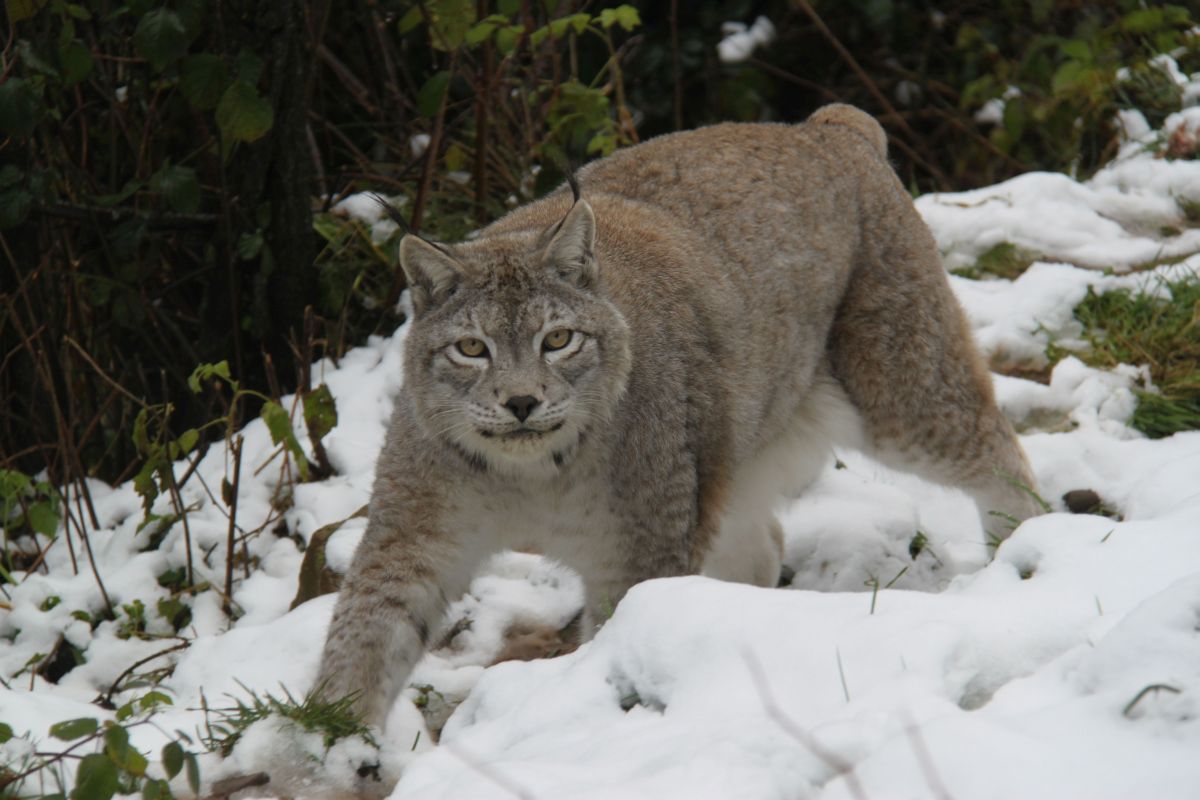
x=522, y=406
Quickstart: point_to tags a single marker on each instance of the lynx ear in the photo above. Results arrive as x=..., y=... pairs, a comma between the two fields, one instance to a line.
x=432, y=273
x=571, y=249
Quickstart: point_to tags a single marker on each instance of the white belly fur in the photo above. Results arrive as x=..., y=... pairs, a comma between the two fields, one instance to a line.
x=749, y=546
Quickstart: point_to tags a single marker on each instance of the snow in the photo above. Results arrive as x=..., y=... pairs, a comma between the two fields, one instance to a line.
x=1132, y=213
x=740, y=42
x=907, y=659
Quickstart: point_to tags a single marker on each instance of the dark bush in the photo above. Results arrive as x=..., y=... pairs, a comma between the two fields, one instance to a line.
x=167, y=170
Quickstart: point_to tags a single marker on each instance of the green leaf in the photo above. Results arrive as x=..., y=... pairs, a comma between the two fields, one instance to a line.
x=206, y=371
x=19, y=10
x=76, y=61
x=449, y=22
x=72, y=729
x=278, y=422
x=134, y=762
x=10, y=174
x=193, y=14
x=193, y=772
x=1144, y=20
x=127, y=191
x=410, y=20
x=141, y=431
x=19, y=108
x=43, y=518
x=429, y=99
x=202, y=79
x=1077, y=49
x=6, y=732
x=603, y=143
x=506, y=38
x=156, y=790
x=96, y=778
x=558, y=28
x=125, y=712
x=483, y=29
x=145, y=485
x=178, y=186
x=250, y=245
x=1067, y=77
x=15, y=205
x=248, y=67
x=184, y=444
x=160, y=38
x=280, y=426
x=32, y=59
x=320, y=411
x=172, y=759
x=1015, y=117
x=154, y=698
x=578, y=22
x=455, y=157
x=242, y=115
x=116, y=745
x=625, y=16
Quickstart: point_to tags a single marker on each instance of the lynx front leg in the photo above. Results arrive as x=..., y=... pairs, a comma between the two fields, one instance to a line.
x=606, y=583
x=391, y=603
x=653, y=516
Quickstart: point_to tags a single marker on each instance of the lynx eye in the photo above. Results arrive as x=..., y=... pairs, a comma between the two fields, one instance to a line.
x=471, y=347
x=556, y=339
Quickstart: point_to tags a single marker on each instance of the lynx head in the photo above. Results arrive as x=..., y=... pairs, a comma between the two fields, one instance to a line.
x=514, y=354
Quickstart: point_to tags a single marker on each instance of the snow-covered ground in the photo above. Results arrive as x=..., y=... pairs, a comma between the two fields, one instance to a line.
x=905, y=661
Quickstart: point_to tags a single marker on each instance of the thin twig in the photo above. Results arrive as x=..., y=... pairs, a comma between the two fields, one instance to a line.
x=236, y=446
x=227, y=786
x=840, y=765
x=100, y=371
x=108, y=696
x=431, y=157
x=182, y=511
x=356, y=88
x=7, y=780
x=868, y=82
x=318, y=164
x=156, y=221
x=87, y=546
x=804, y=83
x=482, y=121
x=932, y=779
x=488, y=771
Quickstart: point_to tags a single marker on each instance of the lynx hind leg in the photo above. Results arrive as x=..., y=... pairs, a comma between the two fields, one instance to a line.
x=747, y=550
x=902, y=349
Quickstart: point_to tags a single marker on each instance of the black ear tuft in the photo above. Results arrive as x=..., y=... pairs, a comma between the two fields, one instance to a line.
x=573, y=181
x=393, y=214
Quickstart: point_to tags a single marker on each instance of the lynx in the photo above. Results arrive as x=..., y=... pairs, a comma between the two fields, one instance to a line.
x=629, y=380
